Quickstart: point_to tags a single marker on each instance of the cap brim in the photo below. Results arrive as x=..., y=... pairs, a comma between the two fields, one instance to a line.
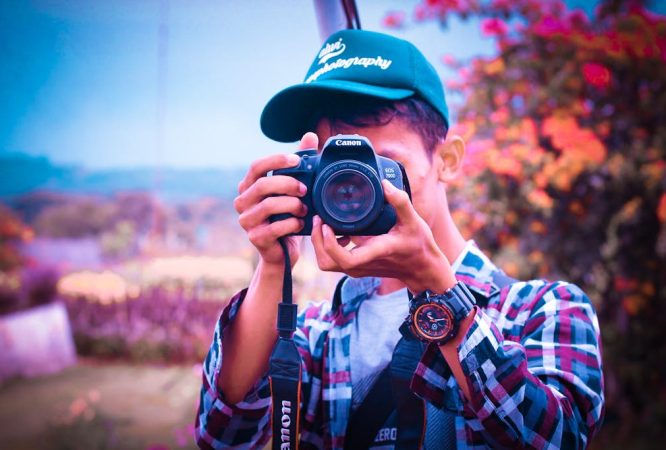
x=289, y=114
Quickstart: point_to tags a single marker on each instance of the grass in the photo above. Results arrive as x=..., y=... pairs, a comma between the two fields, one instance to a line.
x=101, y=406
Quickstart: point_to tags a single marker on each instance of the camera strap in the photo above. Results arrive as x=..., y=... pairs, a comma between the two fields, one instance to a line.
x=285, y=368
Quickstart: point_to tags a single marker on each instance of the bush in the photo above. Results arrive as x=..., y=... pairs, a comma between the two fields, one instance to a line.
x=566, y=173
x=154, y=327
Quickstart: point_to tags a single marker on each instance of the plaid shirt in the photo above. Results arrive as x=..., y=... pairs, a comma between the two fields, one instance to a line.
x=531, y=358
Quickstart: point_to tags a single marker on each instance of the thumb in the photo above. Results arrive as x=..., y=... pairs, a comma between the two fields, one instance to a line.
x=400, y=201
x=309, y=141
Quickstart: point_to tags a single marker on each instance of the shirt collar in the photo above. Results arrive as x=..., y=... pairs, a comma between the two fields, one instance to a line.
x=472, y=267
x=355, y=290
x=477, y=271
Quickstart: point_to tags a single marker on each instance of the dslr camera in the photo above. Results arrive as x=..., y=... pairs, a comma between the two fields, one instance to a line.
x=344, y=187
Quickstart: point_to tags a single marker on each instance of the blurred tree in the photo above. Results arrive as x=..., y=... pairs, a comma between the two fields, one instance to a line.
x=30, y=205
x=566, y=173
x=12, y=232
x=139, y=208
x=76, y=218
x=120, y=242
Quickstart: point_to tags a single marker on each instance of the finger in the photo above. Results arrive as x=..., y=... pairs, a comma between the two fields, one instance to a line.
x=265, y=235
x=261, y=167
x=340, y=256
x=324, y=261
x=268, y=186
x=400, y=201
x=376, y=248
x=309, y=141
x=261, y=212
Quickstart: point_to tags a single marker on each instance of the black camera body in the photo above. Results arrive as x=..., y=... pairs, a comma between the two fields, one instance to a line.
x=344, y=187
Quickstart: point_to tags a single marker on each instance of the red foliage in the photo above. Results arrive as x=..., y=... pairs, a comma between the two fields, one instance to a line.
x=661, y=209
x=596, y=74
x=565, y=172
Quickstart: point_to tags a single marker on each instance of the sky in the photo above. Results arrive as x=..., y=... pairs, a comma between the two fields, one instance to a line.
x=82, y=82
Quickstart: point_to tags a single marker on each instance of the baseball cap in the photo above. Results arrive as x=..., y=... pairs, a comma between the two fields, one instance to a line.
x=352, y=64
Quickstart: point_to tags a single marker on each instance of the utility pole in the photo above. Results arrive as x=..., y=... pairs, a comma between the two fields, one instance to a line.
x=158, y=225
x=335, y=15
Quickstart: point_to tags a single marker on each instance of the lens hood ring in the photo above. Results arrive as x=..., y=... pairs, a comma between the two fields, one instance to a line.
x=359, y=196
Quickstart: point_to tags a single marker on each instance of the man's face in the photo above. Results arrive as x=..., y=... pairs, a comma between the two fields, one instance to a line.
x=399, y=143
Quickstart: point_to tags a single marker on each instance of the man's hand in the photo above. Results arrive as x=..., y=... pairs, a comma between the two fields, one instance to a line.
x=407, y=252
x=250, y=337
x=261, y=197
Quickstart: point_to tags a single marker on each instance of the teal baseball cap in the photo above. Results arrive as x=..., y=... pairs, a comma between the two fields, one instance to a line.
x=350, y=65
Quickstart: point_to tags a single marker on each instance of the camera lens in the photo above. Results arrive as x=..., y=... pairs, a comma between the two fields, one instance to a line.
x=348, y=196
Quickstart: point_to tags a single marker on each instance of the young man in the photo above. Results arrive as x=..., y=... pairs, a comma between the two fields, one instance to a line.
x=521, y=366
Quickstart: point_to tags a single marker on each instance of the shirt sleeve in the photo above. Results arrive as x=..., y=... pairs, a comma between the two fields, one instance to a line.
x=223, y=425
x=540, y=388
x=246, y=425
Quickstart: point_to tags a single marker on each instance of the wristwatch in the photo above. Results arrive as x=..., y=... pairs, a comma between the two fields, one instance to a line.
x=436, y=317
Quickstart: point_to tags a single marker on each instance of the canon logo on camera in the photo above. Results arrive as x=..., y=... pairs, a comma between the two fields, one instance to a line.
x=348, y=143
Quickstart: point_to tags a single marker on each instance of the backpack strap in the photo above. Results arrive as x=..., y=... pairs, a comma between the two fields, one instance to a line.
x=337, y=295
x=366, y=421
x=410, y=408
x=390, y=392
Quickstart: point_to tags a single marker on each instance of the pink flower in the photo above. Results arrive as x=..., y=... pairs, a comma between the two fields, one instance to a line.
x=493, y=27
x=421, y=13
x=448, y=60
x=596, y=75
x=444, y=4
x=548, y=26
x=394, y=19
x=501, y=4
x=441, y=7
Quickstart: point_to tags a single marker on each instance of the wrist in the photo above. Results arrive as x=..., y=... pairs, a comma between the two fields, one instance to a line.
x=267, y=275
x=270, y=269
x=437, y=276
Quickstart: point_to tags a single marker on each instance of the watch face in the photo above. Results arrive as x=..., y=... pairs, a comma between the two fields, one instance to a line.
x=433, y=321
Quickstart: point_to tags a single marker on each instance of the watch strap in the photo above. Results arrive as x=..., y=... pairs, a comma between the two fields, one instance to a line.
x=459, y=299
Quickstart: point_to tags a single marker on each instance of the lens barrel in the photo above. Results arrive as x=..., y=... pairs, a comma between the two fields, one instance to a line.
x=348, y=195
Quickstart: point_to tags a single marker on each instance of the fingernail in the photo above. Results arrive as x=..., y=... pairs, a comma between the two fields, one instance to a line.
x=293, y=159
x=302, y=189
x=316, y=221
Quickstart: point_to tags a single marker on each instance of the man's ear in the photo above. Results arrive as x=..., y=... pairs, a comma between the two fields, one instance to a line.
x=450, y=153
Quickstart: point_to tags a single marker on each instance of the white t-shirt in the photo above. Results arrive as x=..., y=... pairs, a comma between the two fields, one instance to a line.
x=374, y=336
